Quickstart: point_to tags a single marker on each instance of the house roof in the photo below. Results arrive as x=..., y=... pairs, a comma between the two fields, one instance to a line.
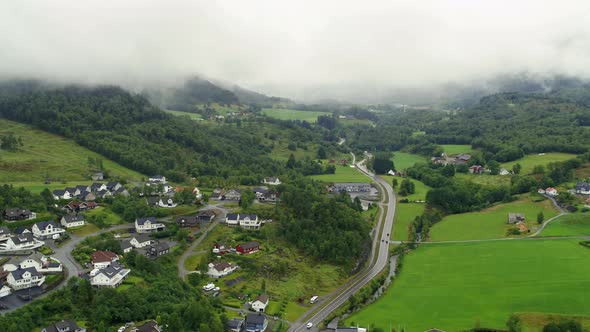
x=235, y=323
x=42, y=225
x=4, y=230
x=82, y=188
x=262, y=298
x=112, y=184
x=141, y=221
x=153, y=200
x=22, y=230
x=186, y=219
x=161, y=246
x=583, y=186
x=103, y=256
x=255, y=319
x=64, y=325
x=73, y=218
x=232, y=216
x=126, y=244
x=141, y=238
x=206, y=213
x=111, y=270
x=23, y=238
x=150, y=326
x=221, y=266
x=15, y=212
x=95, y=186
x=59, y=192
x=18, y=273
x=249, y=245
x=90, y=204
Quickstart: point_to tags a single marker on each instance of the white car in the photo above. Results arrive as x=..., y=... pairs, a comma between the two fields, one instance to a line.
x=309, y=325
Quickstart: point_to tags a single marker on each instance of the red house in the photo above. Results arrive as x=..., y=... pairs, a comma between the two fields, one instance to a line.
x=248, y=247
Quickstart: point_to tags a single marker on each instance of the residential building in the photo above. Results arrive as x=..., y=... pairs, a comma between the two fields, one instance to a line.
x=248, y=247
x=247, y=221
x=256, y=323
x=583, y=188
x=111, y=276
x=24, y=278
x=235, y=325
x=64, y=326
x=513, y=218
x=476, y=169
x=158, y=249
x=41, y=263
x=233, y=195
x=187, y=221
x=205, y=216
x=157, y=178
x=72, y=220
x=551, y=192
x=274, y=181
x=259, y=304
x=4, y=232
x=462, y=158
x=150, y=326
x=12, y=214
x=47, y=229
x=148, y=225
x=99, y=176
x=102, y=259
x=504, y=171
x=140, y=240
x=126, y=246
x=98, y=187
x=221, y=269
x=24, y=241
x=4, y=290
x=61, y=194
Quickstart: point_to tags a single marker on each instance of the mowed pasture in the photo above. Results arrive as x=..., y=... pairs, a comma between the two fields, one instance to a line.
x=420, y=188
x=455, y=287
x=568, y=225
x=528, y=162
x=192, y=116
x=403, y=160
x=288, y=114
x=491, y=222
x=405, y=213
x=343, y=174
x=44, y=155
x=452, y=149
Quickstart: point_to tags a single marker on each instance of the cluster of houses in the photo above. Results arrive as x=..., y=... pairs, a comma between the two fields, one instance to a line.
x=92, y=192
x=244, y=248
x=202, y=218
x=254, y=322
x=552, y=192
x=444, y=159
x=28, y=273
x=27, y=239
x=107, y=272
x=146, y=245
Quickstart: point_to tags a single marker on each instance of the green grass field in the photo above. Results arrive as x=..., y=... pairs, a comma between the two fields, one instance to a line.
x=451, y=149
x=485, y=179
x=489, y=223
x=453, y=287
x=420, y=189
x=403, y=160
x=109, y=217
x=404, y=215
x=192, y=116
x=287, y=114
x=528, y=162
x=568, y=225
x=45, y=155
x=343, y=174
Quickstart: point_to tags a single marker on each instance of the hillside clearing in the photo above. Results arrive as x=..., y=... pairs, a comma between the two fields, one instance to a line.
x=403, y=160
x=288, y=114
x=343, y=174
x=528, y=162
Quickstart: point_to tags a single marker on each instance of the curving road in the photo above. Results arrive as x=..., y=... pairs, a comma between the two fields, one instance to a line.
x=379, y=257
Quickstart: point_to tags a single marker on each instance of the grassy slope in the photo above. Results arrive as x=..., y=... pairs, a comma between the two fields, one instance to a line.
x=454, y=286
x=403, y=160
x=420, y=189
x=47, y=155
x=287, y=114
x=528, y=162
x=485, y=179
x=404, y=215
x=343, y=174
x=489, y=223
x=192, y=116
x=568, y=225
x=451, y=149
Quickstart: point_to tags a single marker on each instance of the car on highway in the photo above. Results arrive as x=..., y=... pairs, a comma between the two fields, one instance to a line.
x=309, y=325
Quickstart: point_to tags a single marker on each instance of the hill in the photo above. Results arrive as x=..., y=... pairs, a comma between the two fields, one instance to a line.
x=47, y=156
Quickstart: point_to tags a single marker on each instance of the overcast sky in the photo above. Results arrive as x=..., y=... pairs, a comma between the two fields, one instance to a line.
x=293, y=48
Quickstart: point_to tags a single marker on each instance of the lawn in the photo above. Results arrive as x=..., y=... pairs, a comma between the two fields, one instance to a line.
x=287, y=114
x=192, y=262
x=44, y=155
x=343, y=174
x=528, y=162
x=403, y=160
x=405, y=213
x=451, y=149
x=420, y=189
x=568, y=225
x=106, y=215
x=85, y=230
x=453, y=287
x=489, y=223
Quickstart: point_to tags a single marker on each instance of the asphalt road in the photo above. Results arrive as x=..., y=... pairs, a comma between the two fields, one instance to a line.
x=380, y=249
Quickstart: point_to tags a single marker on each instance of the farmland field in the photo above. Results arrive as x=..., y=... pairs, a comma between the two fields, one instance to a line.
x=287, y=114
x=568, y=225
x=343, y=174
x=489, y=223
x=403, y=160
x=485, y=179
x=404, y=215
x=420, y=188
x=460, y=285
x=451, y=149
x=528, y=162
x=46, y=155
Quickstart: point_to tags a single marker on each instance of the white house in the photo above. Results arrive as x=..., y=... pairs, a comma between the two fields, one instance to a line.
x=47, y=229
x=23, y=241
x=4, y=290
x=274, y=181
x=583, y=188
x=25, y=278
x=197, y=193
x=157, y=178
x=41, y=263
x=64, y=326
x=233, y=195
x=166, y=202
x=140, y=241
x=103, y=259
x=221, y=269
x=551, y=191
x=71, y=220
x=247, y=221
x=126, y=246
x=504, y=171
x=148, y=225
x=61, y=194
x=111, y=276
x=259, y=304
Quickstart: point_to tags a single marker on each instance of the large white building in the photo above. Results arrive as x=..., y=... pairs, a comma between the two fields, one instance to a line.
x=25, y=278
x=111, y=276
x=71, y=220
x=23, y=241
x=247, y=221
x=221, y=269
x=47, y=229
x=148, y=225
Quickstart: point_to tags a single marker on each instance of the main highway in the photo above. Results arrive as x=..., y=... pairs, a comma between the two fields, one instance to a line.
x=377, y=262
